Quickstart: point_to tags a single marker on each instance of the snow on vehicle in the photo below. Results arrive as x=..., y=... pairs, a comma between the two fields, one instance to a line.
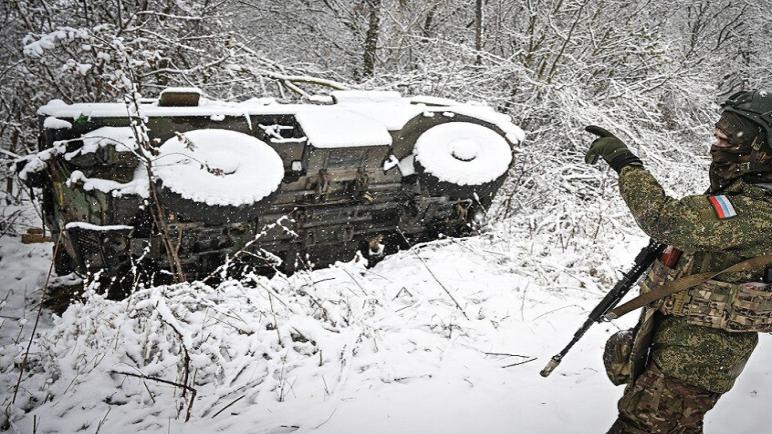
x=314, y=183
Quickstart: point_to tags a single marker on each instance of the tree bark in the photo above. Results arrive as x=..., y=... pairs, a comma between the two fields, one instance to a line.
x=478, y=31
x=371, y=37
x=9, y=179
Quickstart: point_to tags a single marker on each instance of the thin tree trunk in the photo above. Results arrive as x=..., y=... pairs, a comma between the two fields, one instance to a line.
x=9, y=179
x=429, y=21
x=371, y=38
x=478, y=33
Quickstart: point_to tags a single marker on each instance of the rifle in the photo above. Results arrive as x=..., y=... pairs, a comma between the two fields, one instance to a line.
x=643, y=261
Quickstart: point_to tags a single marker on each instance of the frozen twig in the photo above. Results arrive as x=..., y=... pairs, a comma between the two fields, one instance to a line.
x=522, y=304
x=161, y=380
x=506, y=355
x=405, y=290
x=355, y=281
x=440, y=283
x=282, y=381
x=186, y=360
x=520, y=363
x=555, y=310
x=101, y=422
x=275, y=320
x=228, y=406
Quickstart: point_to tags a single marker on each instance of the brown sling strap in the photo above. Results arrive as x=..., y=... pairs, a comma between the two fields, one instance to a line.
x=683, y=283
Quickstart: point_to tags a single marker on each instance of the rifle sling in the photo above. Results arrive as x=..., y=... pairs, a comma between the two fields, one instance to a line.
x=685, y=282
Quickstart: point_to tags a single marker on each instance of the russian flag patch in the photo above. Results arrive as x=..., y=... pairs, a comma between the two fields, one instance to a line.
x=723, y=207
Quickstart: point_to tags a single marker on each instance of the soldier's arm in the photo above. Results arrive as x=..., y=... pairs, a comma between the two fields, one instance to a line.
x=690, y=223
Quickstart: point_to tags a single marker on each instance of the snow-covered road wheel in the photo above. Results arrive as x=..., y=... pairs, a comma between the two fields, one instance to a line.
x=461, y=159
x=217, y=176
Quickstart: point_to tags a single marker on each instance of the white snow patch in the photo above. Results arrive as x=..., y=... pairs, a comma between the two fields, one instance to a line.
x=219, y=167
x=93, y=227
x=181, y=90
x=390, y=162
x=253, y=106
x=393, y=114
x=407, y=165
x=83, y=68
x=513, y=133
x=33, y=165
x=38, y=162
x=248, y=119
x=432, y=101
x=365, y=96
x=274, y=132
x=122, y=138
x=321, y=99
x=463, y=153
x=23, y=270
x=51, y=106
x=251, y=102
x=139, y=185
x=336, y=128
x=48, y=41
x=56, y=124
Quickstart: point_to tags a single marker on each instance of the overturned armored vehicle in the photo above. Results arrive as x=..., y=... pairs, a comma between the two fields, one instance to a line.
x=261, y=184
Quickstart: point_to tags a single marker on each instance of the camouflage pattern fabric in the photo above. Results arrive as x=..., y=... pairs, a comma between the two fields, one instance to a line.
x=737, y=307
x=691, y=223
x=687, y=364
x=616, y=356
x=644, y=330
x=656, y=404
x=738, y=301
x=704, y=357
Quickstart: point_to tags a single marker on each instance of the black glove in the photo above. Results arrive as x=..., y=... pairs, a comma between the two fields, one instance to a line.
x=613, y=150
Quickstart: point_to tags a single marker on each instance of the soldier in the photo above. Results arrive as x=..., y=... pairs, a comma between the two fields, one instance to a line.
x=690, y=346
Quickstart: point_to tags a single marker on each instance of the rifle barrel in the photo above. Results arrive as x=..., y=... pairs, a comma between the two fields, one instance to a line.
x=643, y=261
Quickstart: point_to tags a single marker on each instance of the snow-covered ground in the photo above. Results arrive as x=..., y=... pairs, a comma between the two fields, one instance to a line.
x=340, y=350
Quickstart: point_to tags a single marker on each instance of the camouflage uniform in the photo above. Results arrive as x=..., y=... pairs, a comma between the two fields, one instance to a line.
x=691, y=360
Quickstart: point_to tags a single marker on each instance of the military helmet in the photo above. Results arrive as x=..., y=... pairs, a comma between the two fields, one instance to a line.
x=754, y=106
x=747, y=120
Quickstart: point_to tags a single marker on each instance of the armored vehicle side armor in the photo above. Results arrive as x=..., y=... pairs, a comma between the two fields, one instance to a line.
x=284, y=185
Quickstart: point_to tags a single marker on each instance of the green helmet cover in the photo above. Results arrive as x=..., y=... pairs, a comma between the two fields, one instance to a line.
x=747, y=120
x=755, y=105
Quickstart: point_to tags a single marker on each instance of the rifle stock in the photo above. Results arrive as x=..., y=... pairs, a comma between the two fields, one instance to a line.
x=643, y=261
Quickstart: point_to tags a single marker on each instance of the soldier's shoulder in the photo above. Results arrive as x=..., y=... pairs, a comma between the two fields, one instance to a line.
x=735, y=205
x=716, y=207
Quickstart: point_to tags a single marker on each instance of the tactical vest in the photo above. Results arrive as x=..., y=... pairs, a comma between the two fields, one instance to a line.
x=734, y=307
